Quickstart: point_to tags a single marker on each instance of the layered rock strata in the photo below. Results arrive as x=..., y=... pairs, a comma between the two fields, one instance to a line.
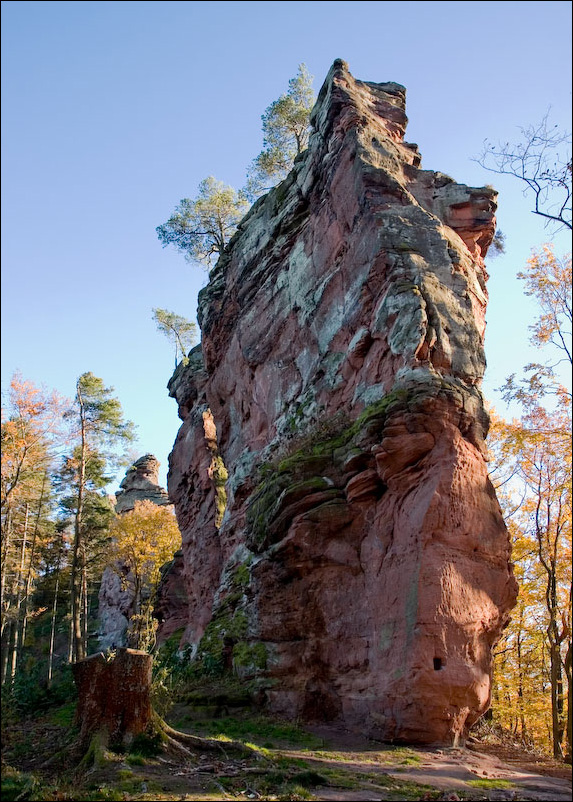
x=141, y=483
x=361, y=568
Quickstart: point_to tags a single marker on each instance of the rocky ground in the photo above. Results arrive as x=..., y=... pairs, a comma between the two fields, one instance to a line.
x=287, y=763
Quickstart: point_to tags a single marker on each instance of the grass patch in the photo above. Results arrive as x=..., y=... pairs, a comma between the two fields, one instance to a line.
x=146, y=745
x=63, y=716
x=258, y=730
x=402, y=790
x=491, y=783
x=16, y=784
x=400, y=755
x=125, y=774
x=338, y=778
x=135, y=760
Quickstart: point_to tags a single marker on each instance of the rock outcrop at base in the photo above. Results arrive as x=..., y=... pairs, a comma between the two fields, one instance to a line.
x=361, y=568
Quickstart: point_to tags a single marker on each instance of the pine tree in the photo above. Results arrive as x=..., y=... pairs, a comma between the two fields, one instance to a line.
x=98, y=428
x=286, y=129
x=178, y=330
x=201, y=228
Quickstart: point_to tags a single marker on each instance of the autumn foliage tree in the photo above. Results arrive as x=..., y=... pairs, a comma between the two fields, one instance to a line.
x=144, y=539
x=31, y=433
x=547, y=280
x=532, y=474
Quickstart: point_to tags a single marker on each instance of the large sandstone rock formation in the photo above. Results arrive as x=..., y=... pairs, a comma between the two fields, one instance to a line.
x=361, y=568
x=141, y=483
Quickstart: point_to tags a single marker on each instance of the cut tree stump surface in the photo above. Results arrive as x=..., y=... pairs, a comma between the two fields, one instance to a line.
x=113, y=694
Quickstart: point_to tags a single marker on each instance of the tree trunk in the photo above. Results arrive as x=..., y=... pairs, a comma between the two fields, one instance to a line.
x=6, y=643
x=85, y=603
x=30, y=574
x=113, y=696
x=6, y=543
x=75, y=584
x=53, y=628
x=18, y=623
x=568, y=666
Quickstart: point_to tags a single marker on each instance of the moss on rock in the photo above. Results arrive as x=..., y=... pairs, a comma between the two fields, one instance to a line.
x=315, y=467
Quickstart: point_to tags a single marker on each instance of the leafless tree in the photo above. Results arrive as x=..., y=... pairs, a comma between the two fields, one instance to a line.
x=541, y=159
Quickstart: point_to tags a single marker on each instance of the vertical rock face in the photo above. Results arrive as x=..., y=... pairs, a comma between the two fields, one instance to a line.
x=361, y=569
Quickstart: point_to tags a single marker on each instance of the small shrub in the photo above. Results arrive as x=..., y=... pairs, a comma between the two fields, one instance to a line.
x=135, y=760
x=16, y=784
x=146, y=744
x=309, y=778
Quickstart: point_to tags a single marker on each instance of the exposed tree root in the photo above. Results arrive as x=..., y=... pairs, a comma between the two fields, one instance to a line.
x=185, y=744
x=96, y=752
x=179, y=739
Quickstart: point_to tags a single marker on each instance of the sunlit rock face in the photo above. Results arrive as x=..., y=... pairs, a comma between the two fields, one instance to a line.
x=361, y=569
x=141, y=483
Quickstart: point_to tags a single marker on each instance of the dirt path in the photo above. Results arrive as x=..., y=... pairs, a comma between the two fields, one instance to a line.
x=468, y=773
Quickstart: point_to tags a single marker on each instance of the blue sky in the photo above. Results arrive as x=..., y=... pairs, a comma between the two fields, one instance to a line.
x=114, y=111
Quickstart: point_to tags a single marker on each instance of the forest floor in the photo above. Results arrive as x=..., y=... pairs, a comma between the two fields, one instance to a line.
x=287, y=762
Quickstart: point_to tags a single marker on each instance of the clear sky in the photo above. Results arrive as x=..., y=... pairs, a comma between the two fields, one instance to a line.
x=114, y=111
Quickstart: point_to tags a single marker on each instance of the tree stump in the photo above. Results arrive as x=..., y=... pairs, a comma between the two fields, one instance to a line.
x=113, y=695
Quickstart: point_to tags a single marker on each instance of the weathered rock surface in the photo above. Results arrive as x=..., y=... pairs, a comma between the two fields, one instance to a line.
x=116, y=593
x=361, y=569
x=141, y=483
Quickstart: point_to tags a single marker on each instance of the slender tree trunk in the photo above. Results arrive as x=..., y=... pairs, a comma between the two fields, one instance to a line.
x=6, y=654
x=78, y=651
x=556, y=673
x=53, y=627
x=556, y=701
x=568, y=672
x=71, y=642
x=19, y=583
x=520, y=700
x=30, y=572
x=85, y=603
x=6, y=542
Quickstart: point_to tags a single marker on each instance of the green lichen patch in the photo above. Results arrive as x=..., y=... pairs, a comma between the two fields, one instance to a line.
x=241, y=576
x=227, y=646
x=228, y=626
x=219, y=476
x=249, y=655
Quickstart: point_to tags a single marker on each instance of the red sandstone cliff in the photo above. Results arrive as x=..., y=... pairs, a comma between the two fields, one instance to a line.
x=361, y=568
